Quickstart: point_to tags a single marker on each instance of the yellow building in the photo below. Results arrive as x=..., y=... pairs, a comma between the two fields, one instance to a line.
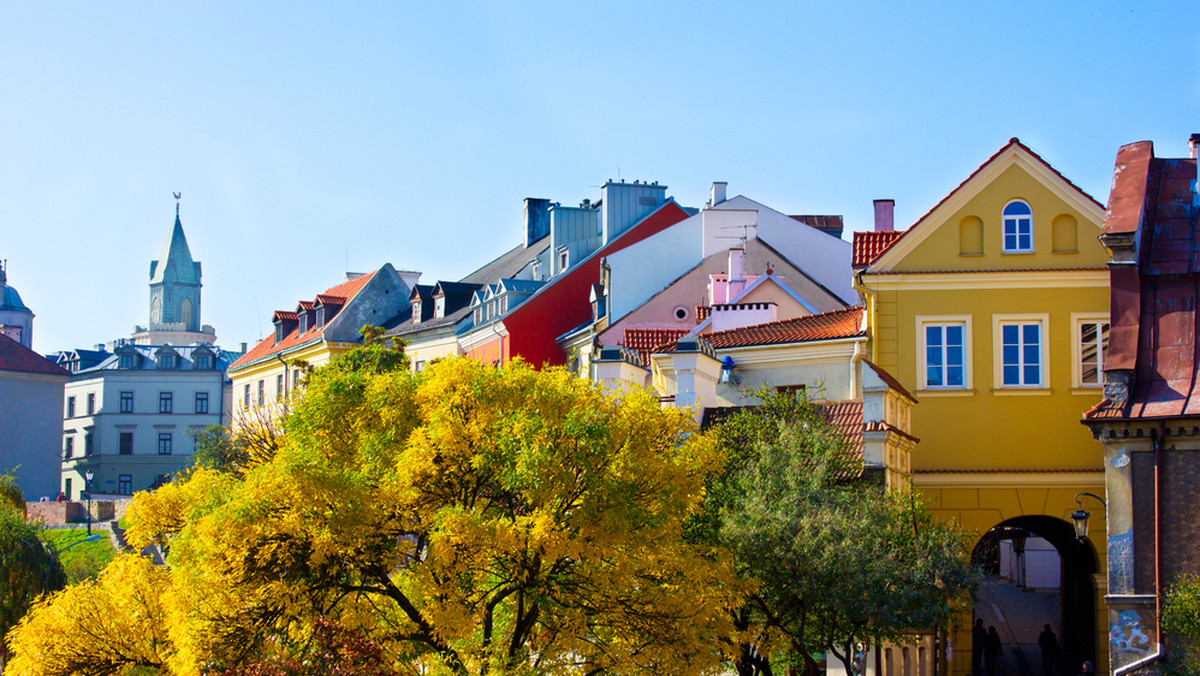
x=313, y=334
x=992, y=309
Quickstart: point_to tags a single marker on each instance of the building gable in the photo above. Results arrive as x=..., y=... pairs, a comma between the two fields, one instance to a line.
x=966, y=230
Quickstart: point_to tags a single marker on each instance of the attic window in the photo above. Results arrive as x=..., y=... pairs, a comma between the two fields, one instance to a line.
x=126, y=361
x=681, y=313
x=1018, y=227
x=439, y=306
x=278, y=331
x=303, y=322
x=167, y=361
x=203, y=362
x=563, y=259
x=321, y=316
x=416, y=308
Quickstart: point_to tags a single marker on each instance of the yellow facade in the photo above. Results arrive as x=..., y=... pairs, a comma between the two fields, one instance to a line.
x=276, y=377
x=1003, y=440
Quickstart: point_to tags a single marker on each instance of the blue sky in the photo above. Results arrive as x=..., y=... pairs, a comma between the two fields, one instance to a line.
x=312, y=138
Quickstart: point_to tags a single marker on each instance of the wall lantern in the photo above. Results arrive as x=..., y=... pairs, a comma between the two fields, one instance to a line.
x=726, y=369
x=1080, y=516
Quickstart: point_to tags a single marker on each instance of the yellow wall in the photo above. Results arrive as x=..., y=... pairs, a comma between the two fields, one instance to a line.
x=987, y=453
x=314, y=354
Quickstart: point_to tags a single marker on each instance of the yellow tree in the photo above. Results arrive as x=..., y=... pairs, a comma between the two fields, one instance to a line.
x=467, y=520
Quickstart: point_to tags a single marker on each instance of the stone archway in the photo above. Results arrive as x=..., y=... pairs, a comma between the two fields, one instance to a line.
x=1078, y=565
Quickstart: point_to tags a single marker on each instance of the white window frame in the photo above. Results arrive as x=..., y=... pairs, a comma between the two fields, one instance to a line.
x=999, y=321
x=923, y=321
x=1004, y=221
x=1078, y=320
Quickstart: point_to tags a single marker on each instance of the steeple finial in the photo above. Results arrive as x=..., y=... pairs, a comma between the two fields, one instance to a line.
x=177, y=196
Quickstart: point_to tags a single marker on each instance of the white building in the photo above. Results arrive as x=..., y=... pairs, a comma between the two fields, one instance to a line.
x=131, y=408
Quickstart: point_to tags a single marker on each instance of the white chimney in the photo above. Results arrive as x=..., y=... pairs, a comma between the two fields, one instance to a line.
x=737, y=280
x=718, y=193
x=885, y=215
x=1193, y=142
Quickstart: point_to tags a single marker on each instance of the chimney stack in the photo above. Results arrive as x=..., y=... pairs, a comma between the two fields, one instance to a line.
x=737, y=278
x=1193, y=142
x=885, y=215
x=718, y=193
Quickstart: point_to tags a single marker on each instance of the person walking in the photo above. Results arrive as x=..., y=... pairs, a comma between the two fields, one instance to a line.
x=992, y=649
x=978, y=640
x=1048, y=642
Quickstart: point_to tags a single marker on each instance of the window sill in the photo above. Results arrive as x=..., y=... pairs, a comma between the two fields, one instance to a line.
x=945, y=393
x=1093, y=390
x=1022, y=392
x=1018, y=253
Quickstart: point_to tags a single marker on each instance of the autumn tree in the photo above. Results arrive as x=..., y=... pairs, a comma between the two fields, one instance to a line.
x=465, y=520
x=837, y=559
x=28, y=569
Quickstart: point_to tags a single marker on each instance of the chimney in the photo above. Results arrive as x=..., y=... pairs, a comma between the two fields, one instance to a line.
x=243, y=348
x=737, y=280
x=718, y=193
x=537, y=219
x=885, y=215
x=1193, y=142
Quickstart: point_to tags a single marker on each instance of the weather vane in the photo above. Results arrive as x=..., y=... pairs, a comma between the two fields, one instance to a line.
x=177, y=196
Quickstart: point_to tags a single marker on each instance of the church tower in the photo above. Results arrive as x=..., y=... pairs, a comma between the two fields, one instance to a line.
x=175, y=296
x=16, y=320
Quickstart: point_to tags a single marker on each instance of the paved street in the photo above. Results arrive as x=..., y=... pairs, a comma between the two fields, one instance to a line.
x=1019, y=616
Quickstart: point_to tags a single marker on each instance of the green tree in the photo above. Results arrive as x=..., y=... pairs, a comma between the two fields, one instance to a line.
x=1181, y=621
x=465, y=520
x=27, y=568
x=837, y=559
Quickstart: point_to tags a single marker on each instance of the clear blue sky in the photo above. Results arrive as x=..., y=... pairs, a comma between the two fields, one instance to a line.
x=310, y=138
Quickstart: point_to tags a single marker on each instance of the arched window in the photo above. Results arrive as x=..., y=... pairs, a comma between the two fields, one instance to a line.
x=1018, y=227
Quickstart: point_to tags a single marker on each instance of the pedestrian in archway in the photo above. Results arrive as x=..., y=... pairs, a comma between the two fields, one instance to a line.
x=1087, y=669
x=992, y=649
x=1048, y=642
x=978, y=640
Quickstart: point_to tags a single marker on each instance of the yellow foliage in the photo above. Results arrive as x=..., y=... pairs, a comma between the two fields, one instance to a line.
x=467, y=519
x=97, y=627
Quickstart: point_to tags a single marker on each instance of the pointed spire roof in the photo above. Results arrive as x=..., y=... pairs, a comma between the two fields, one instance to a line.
x=175, y=263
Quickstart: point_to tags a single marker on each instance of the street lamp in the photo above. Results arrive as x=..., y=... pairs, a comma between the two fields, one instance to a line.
x=1080, y=516
x=87, y=479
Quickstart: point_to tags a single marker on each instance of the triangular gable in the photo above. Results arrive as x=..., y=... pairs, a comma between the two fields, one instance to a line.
x=1013, y=154
x=750, y=289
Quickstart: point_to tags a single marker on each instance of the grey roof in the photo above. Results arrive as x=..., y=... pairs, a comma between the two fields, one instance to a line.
x=175, y=262
x=509, y=263
x=522, y=285
x=109, y=361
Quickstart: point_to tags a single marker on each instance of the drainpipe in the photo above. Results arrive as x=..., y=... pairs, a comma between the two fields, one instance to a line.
x=1159, y=438
x=868, y=312
x=285, y=374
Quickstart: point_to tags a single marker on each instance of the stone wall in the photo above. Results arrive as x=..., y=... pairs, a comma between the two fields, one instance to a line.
x=75, y=511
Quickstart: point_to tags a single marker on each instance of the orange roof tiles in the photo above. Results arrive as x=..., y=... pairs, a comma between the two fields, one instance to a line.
x=268, y=346
x=890, y=380
x=869, y=246
x=643, y=341
x=846, y=416
x=845, y=323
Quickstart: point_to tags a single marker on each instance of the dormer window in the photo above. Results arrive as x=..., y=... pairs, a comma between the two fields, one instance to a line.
x=127, y=361
x=204, y=362
x=503, y=304
x=478, y=314
x=303, y=322
x=321, y=315
x=416, y=307
x=537, y=270
x=563, y=259
x=168, y=361
x=278, y=331
x=439, y=306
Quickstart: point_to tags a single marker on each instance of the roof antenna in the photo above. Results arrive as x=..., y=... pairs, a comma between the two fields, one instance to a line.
x=177, y=196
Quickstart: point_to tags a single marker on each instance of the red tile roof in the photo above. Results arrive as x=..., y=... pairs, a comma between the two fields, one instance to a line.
x=869, y=246
x=643, y=341
x=284, y=315
x=846, y=416
x=330, y=299
x=890, y=380
x=268, y=346
x=16, y=357
x=703, y=312
x=845, y=323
